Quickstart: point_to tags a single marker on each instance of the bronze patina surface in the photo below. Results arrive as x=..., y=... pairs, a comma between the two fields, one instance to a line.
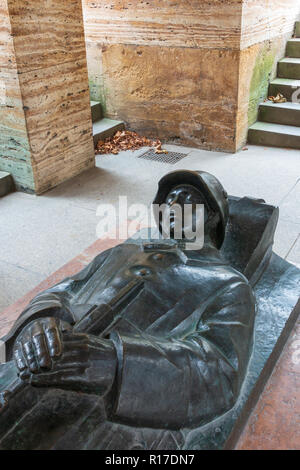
x=153, y=346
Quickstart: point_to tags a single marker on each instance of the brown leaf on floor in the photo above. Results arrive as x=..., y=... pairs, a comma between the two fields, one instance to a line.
x=126, y=140
x=279, y=98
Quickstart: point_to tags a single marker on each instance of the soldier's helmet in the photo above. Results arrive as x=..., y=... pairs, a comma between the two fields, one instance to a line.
x=209, y=186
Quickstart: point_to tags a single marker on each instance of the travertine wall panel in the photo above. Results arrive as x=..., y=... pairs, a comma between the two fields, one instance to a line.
x=134, y=72
x=57, y=111
x=264, y=20
x=96, y=76
x=194, y=104
x=266, y=27
x=46, y=33
x=167, y=68
x=14, y=144
x=258, y=65
x=180, y=23
x=50, y=58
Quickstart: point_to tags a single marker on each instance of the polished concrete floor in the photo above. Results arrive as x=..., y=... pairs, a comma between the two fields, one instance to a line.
x=41, y=233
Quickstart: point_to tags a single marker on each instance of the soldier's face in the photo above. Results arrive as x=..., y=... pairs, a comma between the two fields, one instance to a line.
x=185, y=195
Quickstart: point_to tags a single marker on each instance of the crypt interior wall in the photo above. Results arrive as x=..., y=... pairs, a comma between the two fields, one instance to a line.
x=15, y=154
x=45, y=117
x=190, y=72
x=167, y=68
x=265, y=28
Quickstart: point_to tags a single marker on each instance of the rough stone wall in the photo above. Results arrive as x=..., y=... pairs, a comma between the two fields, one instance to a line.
x=188, y=71
x=167, y=68
x=15, y=154
x=267, y=20
x=265, y=28
x=49, y=57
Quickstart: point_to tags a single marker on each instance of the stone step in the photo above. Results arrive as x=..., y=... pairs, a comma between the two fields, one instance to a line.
x=289, y=68
x=274, y=135
x=106, y=128
x=285, y=86
x=293, y=48
x=281, y=113
x=96, y=109
x=297, y=29
x=6, y=183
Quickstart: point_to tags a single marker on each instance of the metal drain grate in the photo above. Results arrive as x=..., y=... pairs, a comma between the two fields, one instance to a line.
x=169, y=158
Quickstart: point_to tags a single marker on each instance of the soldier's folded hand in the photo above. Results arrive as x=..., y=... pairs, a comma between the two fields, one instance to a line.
x=39, y=345
x=48, y=353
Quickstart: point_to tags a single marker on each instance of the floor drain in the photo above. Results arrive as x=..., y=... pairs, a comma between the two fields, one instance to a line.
x=169, y=158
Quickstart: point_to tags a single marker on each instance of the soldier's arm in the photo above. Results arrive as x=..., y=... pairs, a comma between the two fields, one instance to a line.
x=193, y=376
x=186, y=379
x=54, y=302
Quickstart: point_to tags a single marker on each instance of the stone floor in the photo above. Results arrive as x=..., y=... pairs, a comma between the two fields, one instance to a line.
x=39, y=234
x=274, y=422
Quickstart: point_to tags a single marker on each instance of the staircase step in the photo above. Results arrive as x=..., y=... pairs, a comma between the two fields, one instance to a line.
x=289, y=68
x=297, y=29
x=274, y=135
x=285, y=86
x=6, y=183
x=96, y=109
x=106, y=128
x=293, y=48
x=281, y=113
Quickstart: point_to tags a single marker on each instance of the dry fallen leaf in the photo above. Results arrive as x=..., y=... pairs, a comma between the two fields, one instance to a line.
x=126, y=140
x=279, y=98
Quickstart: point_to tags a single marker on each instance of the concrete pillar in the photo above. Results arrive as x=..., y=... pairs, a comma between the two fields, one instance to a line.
x=45, y=117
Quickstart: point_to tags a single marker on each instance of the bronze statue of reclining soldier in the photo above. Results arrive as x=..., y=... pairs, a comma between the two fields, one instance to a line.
x=147, y=341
